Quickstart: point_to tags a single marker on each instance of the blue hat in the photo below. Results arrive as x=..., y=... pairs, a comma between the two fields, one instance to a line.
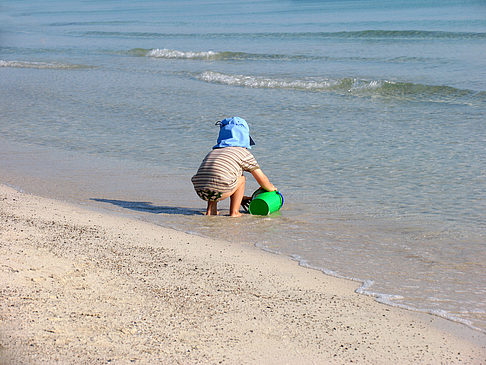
x=234, y=132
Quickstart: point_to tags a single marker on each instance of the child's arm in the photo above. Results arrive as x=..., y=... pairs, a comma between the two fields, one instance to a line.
x=262, y=179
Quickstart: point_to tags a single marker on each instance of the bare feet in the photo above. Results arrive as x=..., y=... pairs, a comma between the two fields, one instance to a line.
x=210, y=213
x=212, y=208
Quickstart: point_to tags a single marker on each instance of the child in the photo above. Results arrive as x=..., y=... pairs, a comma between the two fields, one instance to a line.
x=221, y=173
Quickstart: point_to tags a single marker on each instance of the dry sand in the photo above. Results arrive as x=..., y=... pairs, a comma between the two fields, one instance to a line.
x=80, y=286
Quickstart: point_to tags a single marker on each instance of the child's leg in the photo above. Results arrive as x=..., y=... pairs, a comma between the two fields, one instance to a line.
x=212, y=208
x=237, y=197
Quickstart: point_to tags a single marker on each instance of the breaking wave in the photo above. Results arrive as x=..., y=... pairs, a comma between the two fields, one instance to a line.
x=175, y=54
x=165, y=53
x=351, y=86
x=211, y=55
x=41, y=65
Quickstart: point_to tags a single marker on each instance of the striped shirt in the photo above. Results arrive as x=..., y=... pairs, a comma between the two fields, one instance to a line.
x=222, y=167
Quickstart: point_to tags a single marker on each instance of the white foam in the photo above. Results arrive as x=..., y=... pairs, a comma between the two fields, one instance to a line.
x=38, y=65
x=266, y=82
x=175, y=54
x=365, y=85
x=387, y=299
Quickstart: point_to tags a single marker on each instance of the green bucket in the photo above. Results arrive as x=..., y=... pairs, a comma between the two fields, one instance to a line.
x=265, y=202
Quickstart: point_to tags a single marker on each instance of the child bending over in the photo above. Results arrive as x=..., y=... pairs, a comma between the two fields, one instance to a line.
x=221, y=172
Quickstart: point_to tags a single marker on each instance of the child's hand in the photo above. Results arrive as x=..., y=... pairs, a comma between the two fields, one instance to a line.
x=245, y=203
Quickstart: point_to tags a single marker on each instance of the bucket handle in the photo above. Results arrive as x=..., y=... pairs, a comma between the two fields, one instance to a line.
x=281, y=197
x=261, y=190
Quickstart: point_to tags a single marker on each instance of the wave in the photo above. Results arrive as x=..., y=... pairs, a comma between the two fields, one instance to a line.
x=175, y=54
x=351, y=86
x=404, y=34
x=239, y=56
x=213, y=55
x=361, y=34
x=41, y=65
x=365, y=289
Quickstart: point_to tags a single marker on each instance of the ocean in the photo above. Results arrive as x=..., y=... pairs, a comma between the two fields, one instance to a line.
x=369, y=116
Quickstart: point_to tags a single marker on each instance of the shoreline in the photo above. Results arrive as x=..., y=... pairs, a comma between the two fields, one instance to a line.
x=80, y=286
x=142, y=191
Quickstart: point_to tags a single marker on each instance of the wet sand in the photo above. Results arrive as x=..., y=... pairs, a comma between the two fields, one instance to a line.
x=84, y=286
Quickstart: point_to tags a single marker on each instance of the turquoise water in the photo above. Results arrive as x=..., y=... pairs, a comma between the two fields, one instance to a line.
x=368, y=116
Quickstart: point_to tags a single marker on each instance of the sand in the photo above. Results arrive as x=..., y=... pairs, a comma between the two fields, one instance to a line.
x=80, y=286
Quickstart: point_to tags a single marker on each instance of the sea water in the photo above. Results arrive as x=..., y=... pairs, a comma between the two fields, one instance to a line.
x=368, y=116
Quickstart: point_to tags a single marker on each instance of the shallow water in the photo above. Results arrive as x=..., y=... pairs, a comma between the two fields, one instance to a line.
x=368, y=117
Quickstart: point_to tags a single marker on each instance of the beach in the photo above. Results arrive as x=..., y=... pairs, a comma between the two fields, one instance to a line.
x=80, y=285
x=368, y=118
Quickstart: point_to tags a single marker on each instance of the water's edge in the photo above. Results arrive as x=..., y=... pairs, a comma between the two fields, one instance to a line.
x=364, y=284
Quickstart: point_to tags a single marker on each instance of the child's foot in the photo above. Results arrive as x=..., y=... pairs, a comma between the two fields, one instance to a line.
x=212, y=208
x=236, y=215
x=211, y=213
